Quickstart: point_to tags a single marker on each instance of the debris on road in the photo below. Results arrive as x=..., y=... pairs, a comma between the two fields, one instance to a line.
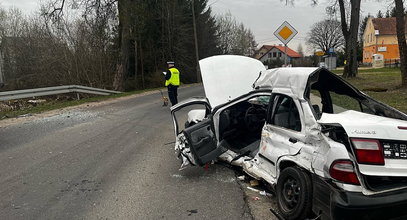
x=193, y=211
x=254, y=183
x=241, y=178
x=253, y=189
x=264, y=193
x=261, y=192
x=34, y=102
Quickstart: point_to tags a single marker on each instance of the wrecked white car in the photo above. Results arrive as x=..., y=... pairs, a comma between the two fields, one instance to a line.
x=326, y=148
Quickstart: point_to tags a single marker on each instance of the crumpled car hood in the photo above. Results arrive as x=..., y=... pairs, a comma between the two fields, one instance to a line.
x=358, y=124
x=226, y=77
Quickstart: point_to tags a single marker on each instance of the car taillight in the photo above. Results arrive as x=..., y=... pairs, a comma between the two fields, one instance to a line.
x=343, y=170
x=368, y=151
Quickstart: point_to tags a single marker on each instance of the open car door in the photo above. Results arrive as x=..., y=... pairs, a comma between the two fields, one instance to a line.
x=195, y=140
x=202, y=142
x=224, y=78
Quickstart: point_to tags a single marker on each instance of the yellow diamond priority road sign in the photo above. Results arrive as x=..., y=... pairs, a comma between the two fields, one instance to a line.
x=285, y=32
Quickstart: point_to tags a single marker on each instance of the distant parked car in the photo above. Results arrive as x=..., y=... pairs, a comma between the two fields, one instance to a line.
x=326, y=148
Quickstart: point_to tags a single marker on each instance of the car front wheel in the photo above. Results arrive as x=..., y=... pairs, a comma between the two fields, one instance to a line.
x=294, y=194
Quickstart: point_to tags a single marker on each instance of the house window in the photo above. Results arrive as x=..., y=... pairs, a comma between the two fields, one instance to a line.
x=274, y=54
x=279, y=54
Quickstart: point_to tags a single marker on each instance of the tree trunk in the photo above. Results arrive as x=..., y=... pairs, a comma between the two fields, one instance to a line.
x=1, y=73
x=126, y=22
x=142, y=65
x=401, y=38
x=351, y=37
x=136, y=47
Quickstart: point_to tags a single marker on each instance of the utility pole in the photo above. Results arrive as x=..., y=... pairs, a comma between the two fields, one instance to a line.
x=1, y=73
x=198, y=69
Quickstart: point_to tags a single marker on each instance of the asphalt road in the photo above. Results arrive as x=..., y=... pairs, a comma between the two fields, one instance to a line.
x=113, y=160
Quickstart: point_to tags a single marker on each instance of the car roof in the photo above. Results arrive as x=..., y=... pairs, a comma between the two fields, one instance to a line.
x=286, y=80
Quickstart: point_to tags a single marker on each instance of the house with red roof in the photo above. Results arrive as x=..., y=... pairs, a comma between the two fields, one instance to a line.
x=272, y=53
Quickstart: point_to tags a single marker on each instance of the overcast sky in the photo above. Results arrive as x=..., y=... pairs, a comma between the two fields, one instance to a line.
x=263, y=17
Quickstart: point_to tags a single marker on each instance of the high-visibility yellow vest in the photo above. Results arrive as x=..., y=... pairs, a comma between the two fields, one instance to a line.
x=174, y=80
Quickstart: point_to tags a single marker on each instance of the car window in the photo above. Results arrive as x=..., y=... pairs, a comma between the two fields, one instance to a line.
x=190, y=115
x=286, y=114
x=343, y=103
x=260, y=100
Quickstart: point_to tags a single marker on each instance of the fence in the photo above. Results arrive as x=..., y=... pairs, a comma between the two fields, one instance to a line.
x=29, y=93
x=392, y=62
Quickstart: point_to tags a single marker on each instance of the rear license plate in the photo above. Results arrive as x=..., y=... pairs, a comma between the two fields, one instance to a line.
x=394, y=150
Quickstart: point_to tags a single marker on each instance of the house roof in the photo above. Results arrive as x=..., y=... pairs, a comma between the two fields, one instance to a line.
x=386, y=26
x=290, y=52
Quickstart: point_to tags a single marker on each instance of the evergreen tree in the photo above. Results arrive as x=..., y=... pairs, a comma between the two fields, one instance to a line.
x=379, y=14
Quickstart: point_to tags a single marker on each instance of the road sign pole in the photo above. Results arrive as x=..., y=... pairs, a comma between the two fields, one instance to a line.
x=285, y=57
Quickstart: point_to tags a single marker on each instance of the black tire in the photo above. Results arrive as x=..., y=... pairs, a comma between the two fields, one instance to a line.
x=294, y=194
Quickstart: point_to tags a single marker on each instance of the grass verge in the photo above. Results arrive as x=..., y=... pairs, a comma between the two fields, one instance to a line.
x=382, y=84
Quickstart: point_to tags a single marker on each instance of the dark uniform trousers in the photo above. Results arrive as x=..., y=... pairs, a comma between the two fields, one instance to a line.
x=173, y=94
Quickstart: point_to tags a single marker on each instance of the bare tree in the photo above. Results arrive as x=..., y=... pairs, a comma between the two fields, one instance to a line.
x=126, y=35
x=126, y=25
x=39, y=53
x=326, y=34
x=234, y=37
x=350, y=30
x=114, y=41
x=401, y=37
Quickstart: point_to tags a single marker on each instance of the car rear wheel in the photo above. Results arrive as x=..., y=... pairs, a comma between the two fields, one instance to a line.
x=294, y=194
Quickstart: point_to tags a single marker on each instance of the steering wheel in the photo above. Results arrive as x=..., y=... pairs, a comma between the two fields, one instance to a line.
x=252, y=120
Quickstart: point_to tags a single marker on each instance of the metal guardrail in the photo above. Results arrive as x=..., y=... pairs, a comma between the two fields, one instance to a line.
x=29, y=93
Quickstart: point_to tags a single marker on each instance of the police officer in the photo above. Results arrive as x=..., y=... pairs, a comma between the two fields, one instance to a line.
x=172, y=82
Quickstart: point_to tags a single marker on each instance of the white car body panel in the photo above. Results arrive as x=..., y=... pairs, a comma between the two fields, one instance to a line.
x=288, y=81
x=226, y=77
x=362, y=125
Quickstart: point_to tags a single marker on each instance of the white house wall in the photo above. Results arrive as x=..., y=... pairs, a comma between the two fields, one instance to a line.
x=274, y=50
